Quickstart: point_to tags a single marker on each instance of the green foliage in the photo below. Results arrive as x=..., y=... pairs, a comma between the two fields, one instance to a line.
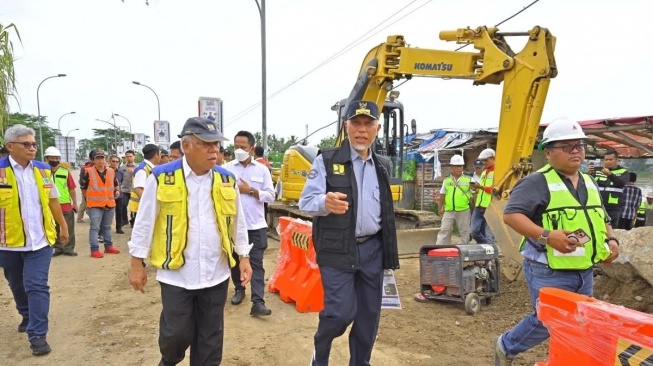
x=105, y=139
x=34, y=122
x=329, y=141
x=410, y=169
x=7, y=75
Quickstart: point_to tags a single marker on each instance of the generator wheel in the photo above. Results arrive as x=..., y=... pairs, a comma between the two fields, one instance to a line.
x=472, y=303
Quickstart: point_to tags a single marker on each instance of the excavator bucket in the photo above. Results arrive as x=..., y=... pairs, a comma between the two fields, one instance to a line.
x=507, y=240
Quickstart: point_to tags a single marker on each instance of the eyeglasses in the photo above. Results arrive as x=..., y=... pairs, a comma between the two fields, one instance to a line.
x=26, y=145
x=569, y=148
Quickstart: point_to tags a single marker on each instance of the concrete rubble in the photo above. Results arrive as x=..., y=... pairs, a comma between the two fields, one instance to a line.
x=635, y=256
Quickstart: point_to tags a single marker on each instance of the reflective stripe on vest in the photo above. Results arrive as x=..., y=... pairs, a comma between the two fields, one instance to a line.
x=566, y=213
x=457, y=193
x=614, y=193
x=134, y=199
x=100, y=194
x=170, y=233
x=12, y=231
x=483, y=198
x=61, y=181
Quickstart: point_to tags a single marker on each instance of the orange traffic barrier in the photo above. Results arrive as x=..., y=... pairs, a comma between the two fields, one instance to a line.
x=586, y=331
x=297, y=276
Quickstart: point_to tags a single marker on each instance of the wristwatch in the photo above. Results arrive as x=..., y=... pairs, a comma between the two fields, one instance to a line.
x=544, y=237
x=244, y=256
x=251, y=192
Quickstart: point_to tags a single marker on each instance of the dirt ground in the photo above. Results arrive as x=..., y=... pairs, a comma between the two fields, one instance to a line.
x=97, y=318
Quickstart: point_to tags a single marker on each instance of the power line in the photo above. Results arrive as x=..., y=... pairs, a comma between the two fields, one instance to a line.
x=341, y=52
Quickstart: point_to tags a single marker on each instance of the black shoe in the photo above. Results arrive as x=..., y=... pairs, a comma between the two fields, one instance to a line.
x=259, y=309
x=100, y=239
x=22, y=327
x=120, y=231
x=239, y=295
x=70, y=254
x=56, y=253
x=39, y=346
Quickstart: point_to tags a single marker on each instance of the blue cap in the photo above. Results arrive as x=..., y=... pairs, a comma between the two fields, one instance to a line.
x=204, y=129
x=478, y=163
x=362, y=108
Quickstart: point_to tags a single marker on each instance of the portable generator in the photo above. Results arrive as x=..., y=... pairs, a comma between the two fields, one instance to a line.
x=461, y=273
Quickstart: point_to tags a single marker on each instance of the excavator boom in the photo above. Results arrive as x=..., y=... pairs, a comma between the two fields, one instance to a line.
x=525, y=76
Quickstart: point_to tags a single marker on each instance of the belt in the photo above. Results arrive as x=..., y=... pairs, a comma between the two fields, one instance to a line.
x=362, y=239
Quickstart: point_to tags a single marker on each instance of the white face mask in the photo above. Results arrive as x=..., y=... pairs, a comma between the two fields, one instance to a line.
x=241, y=155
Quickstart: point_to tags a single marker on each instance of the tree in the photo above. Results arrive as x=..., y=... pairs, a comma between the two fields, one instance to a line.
x=7, y=75
x=34, y=122
x=329, y=141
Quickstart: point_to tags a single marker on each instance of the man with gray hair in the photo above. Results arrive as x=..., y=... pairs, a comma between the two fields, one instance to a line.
x=29, y=207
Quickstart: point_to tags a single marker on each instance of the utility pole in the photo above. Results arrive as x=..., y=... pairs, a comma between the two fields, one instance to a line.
x=264, y=103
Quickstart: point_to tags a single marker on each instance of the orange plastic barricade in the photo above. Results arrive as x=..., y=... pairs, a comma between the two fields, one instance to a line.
x=586, y=331
x=297, y=276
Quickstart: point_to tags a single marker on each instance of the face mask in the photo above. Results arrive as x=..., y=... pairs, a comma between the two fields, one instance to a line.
x=241, y=155
x=53, y=164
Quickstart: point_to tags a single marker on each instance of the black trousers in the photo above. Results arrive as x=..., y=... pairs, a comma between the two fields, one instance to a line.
x=259, y=239
x=192, y=318
x=120, y=212
x=625, y=224
x=615, y=214
x=352, y=296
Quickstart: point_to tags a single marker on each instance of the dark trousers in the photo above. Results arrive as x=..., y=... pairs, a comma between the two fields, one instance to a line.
x=625, y=224
x=615, y=214
x=124, y=203
x=120, y=214
x=259, y=239
x=70, y=247
x=352, y=296
x=192, y=318
x=27, y=274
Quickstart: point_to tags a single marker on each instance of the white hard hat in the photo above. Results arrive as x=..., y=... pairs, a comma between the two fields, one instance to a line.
x=52, y=151
x=457, y=160
x=562, y=129
x=487, y=153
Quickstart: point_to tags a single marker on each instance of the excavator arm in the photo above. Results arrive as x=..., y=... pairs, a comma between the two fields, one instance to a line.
x=525, y=76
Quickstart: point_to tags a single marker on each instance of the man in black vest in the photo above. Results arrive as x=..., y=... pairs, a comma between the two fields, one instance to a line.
x=348, y=192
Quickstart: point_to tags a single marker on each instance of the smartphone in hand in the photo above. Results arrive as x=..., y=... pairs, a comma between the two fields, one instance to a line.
x=580, y=236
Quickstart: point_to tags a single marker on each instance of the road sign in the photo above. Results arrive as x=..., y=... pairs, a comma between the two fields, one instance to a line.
x=211, y=108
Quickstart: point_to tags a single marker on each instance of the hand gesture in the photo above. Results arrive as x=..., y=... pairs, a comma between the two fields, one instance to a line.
x=245, y=271
x=336, y=203
x=606, y=171
x=243, y=186
x=559, y=241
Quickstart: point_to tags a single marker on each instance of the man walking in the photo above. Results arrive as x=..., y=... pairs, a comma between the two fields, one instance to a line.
x=480, y=229
x=152, y=155
x=82, y=207
x=114, y=163
x=632, y=199
x=127, y=170
x=546, y=207
x=65, y=184
x=455, y=199
x=189, y=223
x=611, y=179
x=348, y=192
x=100, y=187
x=30, y=206
x=255, y=187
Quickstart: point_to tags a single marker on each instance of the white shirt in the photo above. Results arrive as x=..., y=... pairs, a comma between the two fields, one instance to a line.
x=258, y=177
x=141, y=177
x=30, y=207
x=206, y=264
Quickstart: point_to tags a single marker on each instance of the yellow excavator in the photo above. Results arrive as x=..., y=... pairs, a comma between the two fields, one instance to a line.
x=525, y=76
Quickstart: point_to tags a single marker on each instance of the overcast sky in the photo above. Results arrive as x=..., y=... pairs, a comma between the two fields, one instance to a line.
x=192, y=48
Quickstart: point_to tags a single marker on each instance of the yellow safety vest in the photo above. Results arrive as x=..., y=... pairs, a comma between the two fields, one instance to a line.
x=565, y=212
x=171, y=224
x=483, y=198
x=134, y=200
x=458, y=194
x=61, y=181
x=12, y=231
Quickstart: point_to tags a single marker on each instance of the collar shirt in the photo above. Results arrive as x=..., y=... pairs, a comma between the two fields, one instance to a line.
x=30, y=207
x=368, y=210
x=126, y=185
x=258, y=177
x=141, y=176
x=205, y=263
x=632, y=198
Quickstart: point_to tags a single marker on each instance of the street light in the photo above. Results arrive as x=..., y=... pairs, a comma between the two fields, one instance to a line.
x=38, y=107
x=115, y=132
x=68, y=150
x=157, y=97
x=130, y=129
x=264, y=104
x=59, y=123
